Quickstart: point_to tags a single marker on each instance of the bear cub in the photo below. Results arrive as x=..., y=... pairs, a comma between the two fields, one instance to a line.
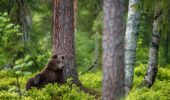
x=52, y=73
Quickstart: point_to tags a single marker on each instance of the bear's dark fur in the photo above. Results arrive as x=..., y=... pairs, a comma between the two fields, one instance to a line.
x=52, y=73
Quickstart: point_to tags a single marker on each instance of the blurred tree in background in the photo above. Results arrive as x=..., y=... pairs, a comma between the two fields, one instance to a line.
x=37, y=18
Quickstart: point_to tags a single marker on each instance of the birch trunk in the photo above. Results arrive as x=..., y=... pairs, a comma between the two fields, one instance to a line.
x=113, y=50
x=131, y=42
x=153, y=53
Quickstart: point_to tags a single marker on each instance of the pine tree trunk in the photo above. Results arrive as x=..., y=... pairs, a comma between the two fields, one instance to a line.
x=63, y=36
x=75, y=13
x=113, y=50
x=131, y=42
x=153, y=53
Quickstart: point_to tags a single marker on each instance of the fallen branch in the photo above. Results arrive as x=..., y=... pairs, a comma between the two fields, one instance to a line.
x=90, y=68
x=96, y=59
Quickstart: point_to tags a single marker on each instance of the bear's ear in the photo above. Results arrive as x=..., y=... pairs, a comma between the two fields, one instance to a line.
x=54, y=56
x=62, y=57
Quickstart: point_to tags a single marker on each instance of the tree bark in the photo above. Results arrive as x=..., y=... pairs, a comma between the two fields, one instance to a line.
x=63, y=36
x=153, y=53
x=75, y=13
x=132, y=28
x=113, y=50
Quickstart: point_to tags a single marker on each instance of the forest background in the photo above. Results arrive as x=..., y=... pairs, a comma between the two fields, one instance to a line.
x=26, y=46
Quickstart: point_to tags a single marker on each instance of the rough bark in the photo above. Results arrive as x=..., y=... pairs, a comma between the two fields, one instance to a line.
x=153, y=53
x=132, y=28
x=75, y=13
x=113, y=50
x=63, y=36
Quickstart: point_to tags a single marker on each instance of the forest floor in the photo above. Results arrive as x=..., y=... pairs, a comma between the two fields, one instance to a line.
x=91, y=80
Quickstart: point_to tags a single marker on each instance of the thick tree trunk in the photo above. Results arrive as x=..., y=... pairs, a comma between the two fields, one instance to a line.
x=131, y=43
x=113, y=50
x=63, y=36
x=153, y=53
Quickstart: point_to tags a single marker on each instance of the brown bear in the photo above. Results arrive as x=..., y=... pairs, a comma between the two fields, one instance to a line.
x=52, y=73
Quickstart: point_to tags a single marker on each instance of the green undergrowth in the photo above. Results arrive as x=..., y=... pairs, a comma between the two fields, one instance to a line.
x=92, y=81
x=159, y=91
x=9, y=88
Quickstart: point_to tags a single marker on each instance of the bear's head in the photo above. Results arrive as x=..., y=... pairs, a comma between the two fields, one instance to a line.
x=59, y=61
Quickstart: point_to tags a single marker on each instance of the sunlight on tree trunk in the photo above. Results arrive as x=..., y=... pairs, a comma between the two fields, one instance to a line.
x=113, y=50
x=132, y=29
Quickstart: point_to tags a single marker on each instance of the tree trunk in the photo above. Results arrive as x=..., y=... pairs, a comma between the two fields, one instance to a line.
x=153, y=53
x=63, y=36
x=113, y=50
x=23, y=19
x=132, y=28
x=75, y=13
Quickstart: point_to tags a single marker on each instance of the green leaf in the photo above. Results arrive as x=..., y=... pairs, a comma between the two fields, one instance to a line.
x=9, y=26
x=27, y=57
x=17, y=66
x=18, y=72
x=19, y=34
x=20, y=61
x=5, y=14
x=30, y=63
